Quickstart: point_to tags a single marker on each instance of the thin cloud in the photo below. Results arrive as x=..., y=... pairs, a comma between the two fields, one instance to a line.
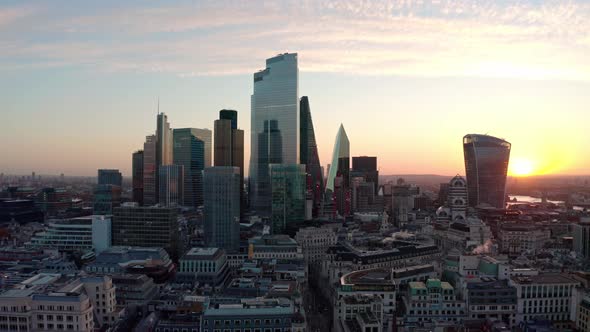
x=548, y=40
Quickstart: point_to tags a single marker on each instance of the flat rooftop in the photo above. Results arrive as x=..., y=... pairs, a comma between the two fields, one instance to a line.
x=203, y=253
x=545, y=278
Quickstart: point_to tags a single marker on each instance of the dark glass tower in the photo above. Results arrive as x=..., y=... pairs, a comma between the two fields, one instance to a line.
x=309, y=156
x=137, y=176
x=229, y=147
x=110, y=176
x=270, y=148
x=222, y=207
x=367, y=168
x=189, y=152
x=486, y=167
x=150, y=167
x=229, y=115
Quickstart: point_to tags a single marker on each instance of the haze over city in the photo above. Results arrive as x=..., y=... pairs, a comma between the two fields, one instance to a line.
x=79, y=84
x=295, y=166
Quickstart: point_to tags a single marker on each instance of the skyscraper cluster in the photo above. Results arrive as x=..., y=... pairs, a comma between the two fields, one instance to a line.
x=286, y=183
x=180, y=167
x=169, y=169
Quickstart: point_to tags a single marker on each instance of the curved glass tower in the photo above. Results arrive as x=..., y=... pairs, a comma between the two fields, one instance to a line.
x=486, y=168
x=275, y=125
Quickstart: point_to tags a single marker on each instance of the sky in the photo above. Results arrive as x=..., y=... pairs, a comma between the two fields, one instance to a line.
x=79, y=81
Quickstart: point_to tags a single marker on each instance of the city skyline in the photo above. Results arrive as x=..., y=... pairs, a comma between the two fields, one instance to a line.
x=532, y=96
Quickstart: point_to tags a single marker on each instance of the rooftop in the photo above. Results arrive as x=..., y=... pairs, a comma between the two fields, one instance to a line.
x=545, y=278
x=379, y=276
x=204, y=253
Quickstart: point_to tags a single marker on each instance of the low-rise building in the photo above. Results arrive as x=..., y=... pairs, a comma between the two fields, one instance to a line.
x=370, y=282
x=274, y=247
x=251, y=315
x=518, y=238
x=205, y=266
x=491, y=299
x=153, y=262
x=359, y=311
x=583, y=315
x=315, y=241
x=432, y=304
x=546, y=296
x=344, y=258
x=47, y=302
x=66, y=235
x=134, y=289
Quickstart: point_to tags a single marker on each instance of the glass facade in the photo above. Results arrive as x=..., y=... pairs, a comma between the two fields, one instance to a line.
x=106, y=197
x=164, y=140
x=189, y=151
x=340, y=165
x=222, y=207
x=288, y=195
x=229, y=146
x=309, y=156
x=205, y=135
x=150, y=166
x=367, y=168
x=146, y=227
x=486, y=167
x=110, y=176
x=137, y=176
x=171, y=182
x=274, y=125
x=338, y=183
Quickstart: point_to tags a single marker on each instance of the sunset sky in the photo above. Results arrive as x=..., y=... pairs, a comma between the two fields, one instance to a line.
x=79, y=81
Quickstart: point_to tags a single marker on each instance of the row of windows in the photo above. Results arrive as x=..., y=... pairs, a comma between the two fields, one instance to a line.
x=533, y=303
x=246, y=330
x=12, y=319
x=437, y=312
x=546, y=291
x=247, y=322
x=544, y=310
x=13, y=309
x=493, y=307
x=69, y=327
x=549, y=317
x=55, y=308
x=58, y=318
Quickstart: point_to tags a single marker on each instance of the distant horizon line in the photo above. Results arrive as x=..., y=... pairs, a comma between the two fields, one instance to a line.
x=380, y=175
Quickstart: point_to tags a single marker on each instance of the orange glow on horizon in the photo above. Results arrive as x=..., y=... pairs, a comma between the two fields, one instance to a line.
x=522, y=167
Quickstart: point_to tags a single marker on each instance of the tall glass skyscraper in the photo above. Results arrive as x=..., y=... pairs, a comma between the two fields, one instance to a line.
x=189, y=151
x=205, y=135
x=340, y=165
x=164, y=140
x=229, y=146
x=222, y=207
x=288, y=195
x=486, y=167
x=150, y=168
x=274, y=125
x=137, y=176
x=338, y=183
x=171, y=185
x=309, y=156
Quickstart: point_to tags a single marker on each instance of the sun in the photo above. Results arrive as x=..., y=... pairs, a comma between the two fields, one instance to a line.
x=522, y=167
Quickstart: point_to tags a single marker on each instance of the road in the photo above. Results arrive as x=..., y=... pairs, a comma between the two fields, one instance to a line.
x=317, y=309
